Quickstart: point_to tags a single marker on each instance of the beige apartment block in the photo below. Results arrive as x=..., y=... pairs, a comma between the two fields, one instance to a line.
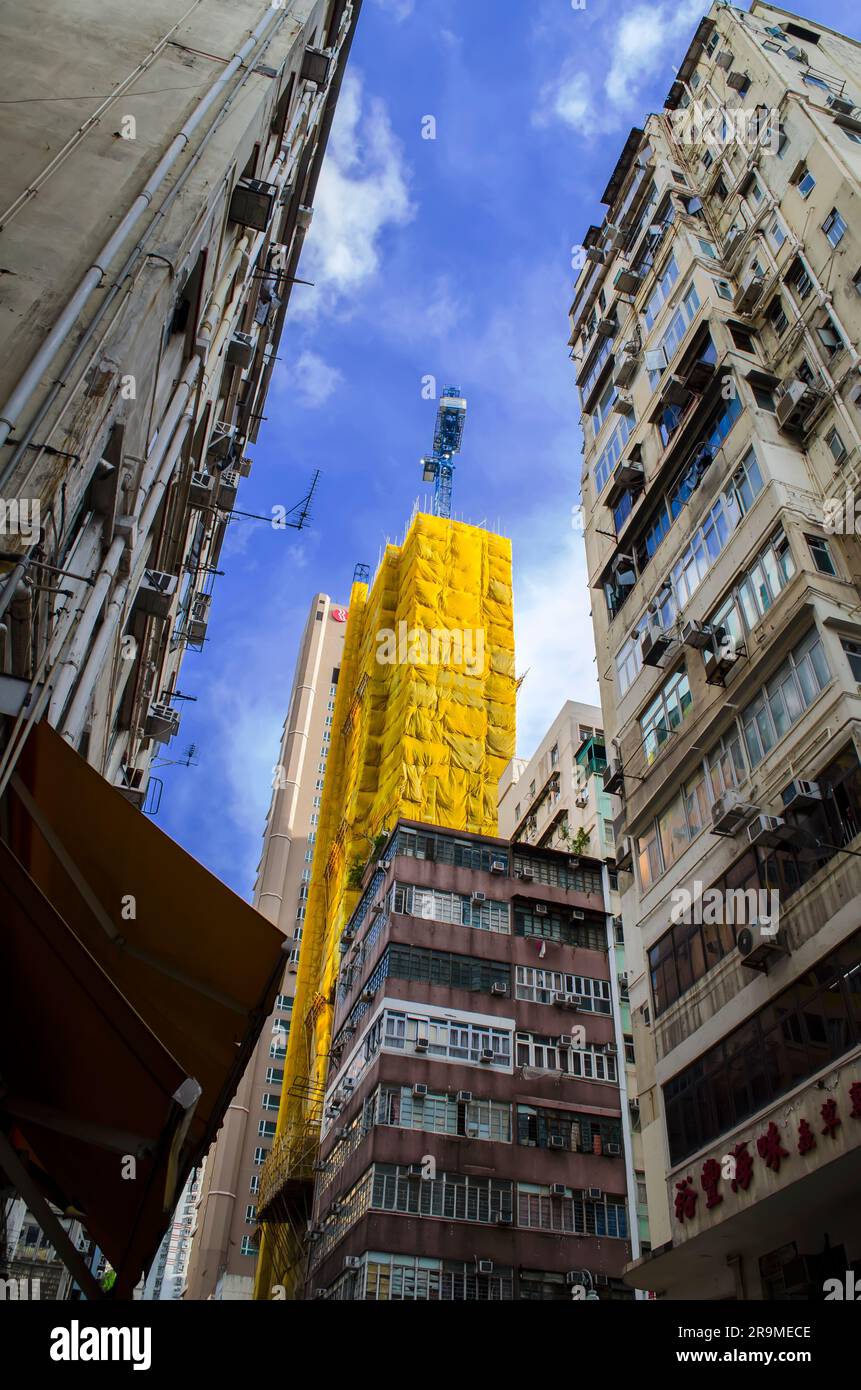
x=556, y=799
x=150, y=235
x=224, y=1241
x=715, y=327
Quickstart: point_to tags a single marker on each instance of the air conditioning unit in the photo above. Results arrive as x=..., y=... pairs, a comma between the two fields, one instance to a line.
x=623, y=403
x=595, y=254
x=566, y=1040
x=654, y=644
x=198, y=617
x=578, y=915
x=725, y=61
x=576, y=1276
x=315, y=1232
x=700, y=636
x=228, y=486
x=625, y=370
x=798, y=55
x=756, y=949
x=315, y=66
x=367, y=996
x=558, y=1189
x=415, y=1170
x=560, y=998
x=502, y=1218
x=627, y=281
x=540, y=909
x=765, y=830
x=156, y=592
x=606, y=326
x=842, y=105
x=478, y=897
x=625, y=854
x=555, y=1141
x=675, y=391
x=498, y=987
x=617, y=923
x=526, y=875
x=581, y=800
x=622, y=977
x=718, y=663
x=304, y=216
x=601, y=1281
x=472, y=1131
x=731, y=813
x=484, y=1266
x=200, y=488
x=614, y=1150
x=252, y=203
x=240, y=350
x=498, y=866
x=739, y=81
x=609, y=1048
x=338, y=1208
x=422, y=1044
x=613, y=779
x=133, y=785
x=595, y=1193
x=749, y=293
x=794, y=402
x=419, y=1089
x=487, y=1055
x=162, y=723
x=352, y=1262
x=463, y=1097
x=801, y=795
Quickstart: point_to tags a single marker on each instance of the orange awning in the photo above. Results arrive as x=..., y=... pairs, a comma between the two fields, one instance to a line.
x=136, y=985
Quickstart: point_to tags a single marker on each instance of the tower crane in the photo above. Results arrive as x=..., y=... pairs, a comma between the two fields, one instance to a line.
x=448, y=436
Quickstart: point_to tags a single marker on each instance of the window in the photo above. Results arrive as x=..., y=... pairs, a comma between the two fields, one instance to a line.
x=836, y=445
x=851, y=135
x=612, y=452
x=743, y=339
x=665, y=714
x=806, y=183
x=260, y=1156
x=781, y=703
x=660, y=293
x=248, y=1247
x=539, y=986
x=804, y=1029
x=834, y=227
x=251, y=1215
x=755, y=590
x=707, y=249
x=266, y=1129
x=724, y=289
x=821, y=554
x=554, y=755
x=830, y=338
x=776, y=234
x=777, y=317
x=853, y=656
x=538, y=1210
x=799, y=278
x=763, y=397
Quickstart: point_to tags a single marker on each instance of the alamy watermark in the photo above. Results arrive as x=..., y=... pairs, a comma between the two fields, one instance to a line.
x=700, y=906
x=719, y=126
x=20, y=517
x=436, y=646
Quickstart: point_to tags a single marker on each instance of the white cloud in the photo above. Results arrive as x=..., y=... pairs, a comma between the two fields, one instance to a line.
x=398, y=9
x=640, y=41
x=553, y=629
x=309, y=380
x=363, y=190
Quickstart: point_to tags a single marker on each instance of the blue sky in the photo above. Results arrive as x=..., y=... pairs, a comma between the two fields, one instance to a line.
x=449, y=257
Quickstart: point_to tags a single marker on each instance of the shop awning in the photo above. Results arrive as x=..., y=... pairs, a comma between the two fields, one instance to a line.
x=135, y=988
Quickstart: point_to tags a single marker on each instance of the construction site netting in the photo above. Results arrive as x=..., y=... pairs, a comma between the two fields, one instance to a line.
x=423, y=726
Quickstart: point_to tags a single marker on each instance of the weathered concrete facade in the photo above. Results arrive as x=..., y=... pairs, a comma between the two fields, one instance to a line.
x=152, y=227
x=715, y=326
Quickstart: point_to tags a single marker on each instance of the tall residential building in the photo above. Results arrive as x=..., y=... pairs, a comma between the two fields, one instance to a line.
x=714, y=327
x=145, y=319
x=167, y=1276
x=424, y=725
x=159, y=167
x=224, y=1249
x=556, y=799
x=472, y=1138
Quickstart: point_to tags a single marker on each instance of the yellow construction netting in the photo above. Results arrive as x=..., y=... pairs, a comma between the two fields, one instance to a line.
x=424, y=723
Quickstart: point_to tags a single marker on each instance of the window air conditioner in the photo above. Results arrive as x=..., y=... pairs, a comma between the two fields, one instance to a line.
x=464, y=1097
x=757, y=945
x=578, y=915
x=422, y=1044
x=162, y=723
x=498, y=866
x=499, y=987
x=595, y=1194
x=768, y=831
x=540, y=909
x=614, y=1150
x=558, y=1189
x=478, y=897
x=801, y=795
x=419, y=1089
x=252, y=203
x=555, y=1141
x=484, y=1266
x=200, y=488
x=156, y=592
x=352, y=1262
x=487, y=1055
